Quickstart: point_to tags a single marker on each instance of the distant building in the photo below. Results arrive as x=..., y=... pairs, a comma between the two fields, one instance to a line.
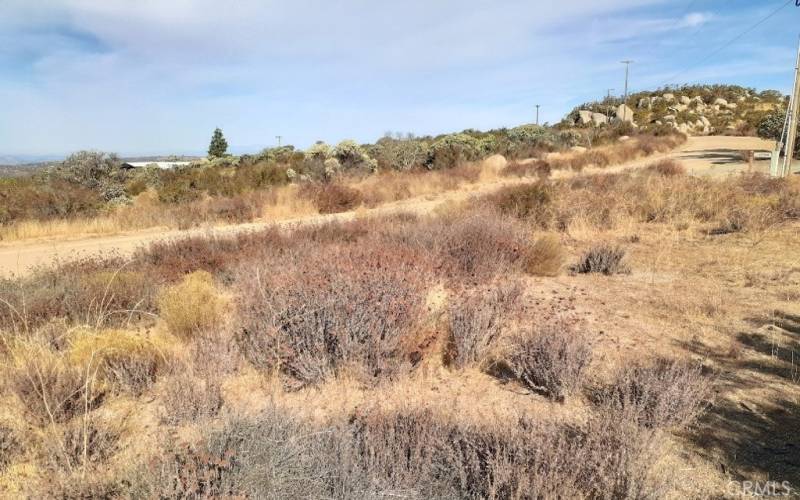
x=164, y=165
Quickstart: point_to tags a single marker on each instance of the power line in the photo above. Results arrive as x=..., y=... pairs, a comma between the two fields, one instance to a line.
x=733, y=40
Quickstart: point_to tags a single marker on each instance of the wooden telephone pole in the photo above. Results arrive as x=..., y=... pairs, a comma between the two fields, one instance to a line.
x=792, y=120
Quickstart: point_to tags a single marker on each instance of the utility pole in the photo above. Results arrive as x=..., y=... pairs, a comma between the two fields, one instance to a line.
x=537, y=114
x=625, y=101
x=792, y=119
x=279, y=137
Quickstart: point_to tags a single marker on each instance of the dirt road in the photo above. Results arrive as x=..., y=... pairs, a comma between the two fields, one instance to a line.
x=713, y=156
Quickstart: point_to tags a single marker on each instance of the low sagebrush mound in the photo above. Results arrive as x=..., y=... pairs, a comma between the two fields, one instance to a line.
x=273, y=455
x=664, y=394
x=551, y=357
x=605, y=259
x=476, y=320
x=187, y=398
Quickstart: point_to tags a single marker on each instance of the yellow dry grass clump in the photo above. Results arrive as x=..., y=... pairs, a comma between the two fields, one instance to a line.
x=545, y=256
x=119, y=358
x=192, y=305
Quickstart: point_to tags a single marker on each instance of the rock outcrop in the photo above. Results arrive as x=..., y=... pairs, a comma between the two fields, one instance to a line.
x=624, y=114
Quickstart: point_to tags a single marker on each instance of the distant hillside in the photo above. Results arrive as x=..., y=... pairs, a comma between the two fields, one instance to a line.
x=692, y=109
x=22, y=170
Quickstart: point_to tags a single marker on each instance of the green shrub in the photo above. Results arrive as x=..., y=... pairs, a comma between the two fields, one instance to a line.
x=452, y=150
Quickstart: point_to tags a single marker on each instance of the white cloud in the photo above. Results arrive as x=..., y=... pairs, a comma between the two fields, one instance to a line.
x=695, y=19
x=156, y=75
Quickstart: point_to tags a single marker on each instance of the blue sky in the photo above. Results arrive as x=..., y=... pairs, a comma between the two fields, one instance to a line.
x=156, y=76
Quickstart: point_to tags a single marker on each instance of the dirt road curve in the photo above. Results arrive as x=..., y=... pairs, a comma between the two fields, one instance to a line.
x=701, y=155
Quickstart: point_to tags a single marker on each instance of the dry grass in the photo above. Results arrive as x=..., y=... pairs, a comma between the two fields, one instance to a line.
x=667, y=168
x=193, y=305
x=545, y=257
x=291, y=201
x=9, y=446
x=50, y=389
x=188, y=398
x=336, y=386
x=125, y=361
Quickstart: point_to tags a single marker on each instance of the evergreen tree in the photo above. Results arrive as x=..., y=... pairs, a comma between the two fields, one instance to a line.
x=218, y=145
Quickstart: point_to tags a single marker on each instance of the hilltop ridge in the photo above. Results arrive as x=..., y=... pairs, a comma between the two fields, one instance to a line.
x=691, y=109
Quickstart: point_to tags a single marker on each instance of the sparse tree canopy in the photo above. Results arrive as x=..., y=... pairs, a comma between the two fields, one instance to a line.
x=218, y=146
x=772, y=125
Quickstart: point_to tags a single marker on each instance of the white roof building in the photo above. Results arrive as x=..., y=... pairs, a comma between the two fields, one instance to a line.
x=164, y=165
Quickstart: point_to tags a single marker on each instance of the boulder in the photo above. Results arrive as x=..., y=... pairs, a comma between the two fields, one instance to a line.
x=624, y=114
x=684, y=128
x=681, y=107
x=578, y=149
x=732, y=105
x=669, y=118
x=699, y=100
x=599, y=119
x=719, y=101
x=685, y=100
x=494, y=163
x=584, y=117
x=624, y=138
x=669, y=97
x=645, y=102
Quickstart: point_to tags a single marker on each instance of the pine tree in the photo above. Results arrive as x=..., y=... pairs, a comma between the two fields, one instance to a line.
x=218, y=145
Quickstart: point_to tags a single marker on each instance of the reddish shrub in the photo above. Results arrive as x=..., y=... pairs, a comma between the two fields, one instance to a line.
x=529, y=201
x=667, y=168
x=350, y=307
x=482, y=245
x=332, y=198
